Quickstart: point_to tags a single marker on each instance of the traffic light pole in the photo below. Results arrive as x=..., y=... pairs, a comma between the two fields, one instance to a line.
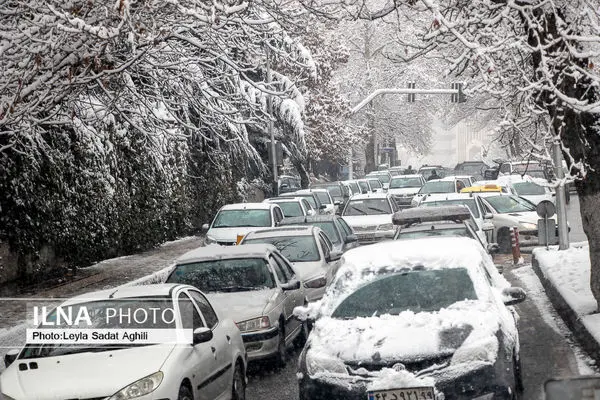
x=561, y=197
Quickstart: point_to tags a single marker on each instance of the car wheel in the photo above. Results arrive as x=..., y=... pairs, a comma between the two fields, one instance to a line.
x=185, y=393
x=300, y=340
x=239, y=384
x=281, y=357
x=504, y=241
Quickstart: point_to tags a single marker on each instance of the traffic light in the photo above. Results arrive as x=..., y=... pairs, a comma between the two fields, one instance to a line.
x=460, y=96
x=412, y=96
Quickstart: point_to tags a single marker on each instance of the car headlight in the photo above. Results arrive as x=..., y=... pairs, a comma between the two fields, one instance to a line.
x=254, y=324
x=316, y=283
x=527, y=225
x=210, y=240
x=319, y=363
x=139, y=388
x=385, y=227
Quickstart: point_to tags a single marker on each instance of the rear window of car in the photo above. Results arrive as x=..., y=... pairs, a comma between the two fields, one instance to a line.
x=323, y=197
x=291, y=209
x=528, y=188
x=467, y=202
x=329, y=228
x=438, y=187
x=375, y=183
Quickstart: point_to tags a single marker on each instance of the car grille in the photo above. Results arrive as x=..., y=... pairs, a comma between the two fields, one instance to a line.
x=226, y=243
x=403, y=200
x=368, y=228
x=411, y=366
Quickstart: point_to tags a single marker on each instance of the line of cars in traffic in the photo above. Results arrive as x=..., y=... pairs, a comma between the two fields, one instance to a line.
x=418, y=311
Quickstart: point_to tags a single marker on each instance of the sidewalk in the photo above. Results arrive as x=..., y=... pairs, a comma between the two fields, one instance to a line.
x=565, y=276
x=147, y=267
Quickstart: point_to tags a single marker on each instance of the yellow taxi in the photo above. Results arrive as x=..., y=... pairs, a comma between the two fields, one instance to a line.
x=483, y=188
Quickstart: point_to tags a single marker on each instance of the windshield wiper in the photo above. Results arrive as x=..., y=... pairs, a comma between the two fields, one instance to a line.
x=378, y=209
x=358, y=209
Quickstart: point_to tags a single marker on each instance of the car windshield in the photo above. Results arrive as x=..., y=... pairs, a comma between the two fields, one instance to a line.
x=528, y=188
x=438, y=187
x=240, y=218
x=403, y=182
x=290, y=209
x=367, y=207
x=430, y=231
x=416, y=291
x=294, y=248
x=470, y=202
x=228, y=275
x=329, y=228
x=323, y=197
x=509, y=204
x=385, y=178
x=105, y=314
x=375, y=183
x=311, y=200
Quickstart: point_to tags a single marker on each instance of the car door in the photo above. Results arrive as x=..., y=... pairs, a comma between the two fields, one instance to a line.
x=292, y=298
x=287, y=298
x=223, y=353
x=200, y=358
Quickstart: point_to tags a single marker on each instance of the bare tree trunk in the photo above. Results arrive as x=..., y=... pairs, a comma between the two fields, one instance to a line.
x=589, y=205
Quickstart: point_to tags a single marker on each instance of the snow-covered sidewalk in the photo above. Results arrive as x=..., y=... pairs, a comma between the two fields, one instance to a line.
x=565, y=276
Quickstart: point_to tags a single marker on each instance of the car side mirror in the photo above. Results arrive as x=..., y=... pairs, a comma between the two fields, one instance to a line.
x=202, y=335
x=351, y=238
x=205, y=228
x=493, y=248
x=10, y=357
x=488, y=216
x=334, y=256
x=294, y=284
x=513, y=295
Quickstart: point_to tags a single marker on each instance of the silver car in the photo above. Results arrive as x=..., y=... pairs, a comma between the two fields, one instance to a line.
x=309, y=250
x=256, y=287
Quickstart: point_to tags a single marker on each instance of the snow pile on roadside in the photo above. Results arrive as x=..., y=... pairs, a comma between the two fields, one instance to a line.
x=569, y=272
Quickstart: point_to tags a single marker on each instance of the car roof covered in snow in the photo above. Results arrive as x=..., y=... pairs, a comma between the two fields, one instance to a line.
x=216, y=252
x=248, y=206
x=124, y=292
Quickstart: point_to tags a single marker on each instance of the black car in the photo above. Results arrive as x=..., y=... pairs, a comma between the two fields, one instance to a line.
x=473, y=168
x=418, y=319
x=339, y=232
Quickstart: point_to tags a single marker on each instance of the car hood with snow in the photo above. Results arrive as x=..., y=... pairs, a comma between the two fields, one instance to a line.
x=241, y=306
x=117, y=369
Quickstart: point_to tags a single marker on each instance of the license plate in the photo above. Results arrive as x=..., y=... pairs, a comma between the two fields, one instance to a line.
x=420, y=393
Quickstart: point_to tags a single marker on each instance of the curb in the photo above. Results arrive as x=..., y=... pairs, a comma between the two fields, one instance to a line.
x=584, y=337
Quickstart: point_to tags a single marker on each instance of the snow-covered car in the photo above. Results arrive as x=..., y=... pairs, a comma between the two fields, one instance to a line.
x=535, y=190
x=337, y=230
x=370, y=216
x=414, y=319
x=511, y=211
x=293, y=206
x=436, y=186
x=482, y=225
x=308, y=249
x=327, y=203
x=233, y=221
x=404, y=187
x=256, y=287
x=211, y=367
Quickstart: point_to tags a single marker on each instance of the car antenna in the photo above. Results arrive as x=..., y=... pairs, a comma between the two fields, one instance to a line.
x=112, y=295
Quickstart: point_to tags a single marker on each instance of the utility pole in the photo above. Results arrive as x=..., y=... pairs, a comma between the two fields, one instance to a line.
x=561, y=197
x=270, y=125
x=351, y=164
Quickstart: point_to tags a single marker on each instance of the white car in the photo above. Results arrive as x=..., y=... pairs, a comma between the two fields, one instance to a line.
x=511, y=211
x=467, y=180
x=370, y=216
x=213, y=366
x=308, y=249
x=293, y=206
x=383, y=176
x=404, y=187
x=451, y=185
x=535, y=190
x=256, y=287
x=325, y=199
x=484, y=228
x=233, y=221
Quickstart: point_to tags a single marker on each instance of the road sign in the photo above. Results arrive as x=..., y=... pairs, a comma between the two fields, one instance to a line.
x=388, y=149
x=547, y=232
x=545, y=209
